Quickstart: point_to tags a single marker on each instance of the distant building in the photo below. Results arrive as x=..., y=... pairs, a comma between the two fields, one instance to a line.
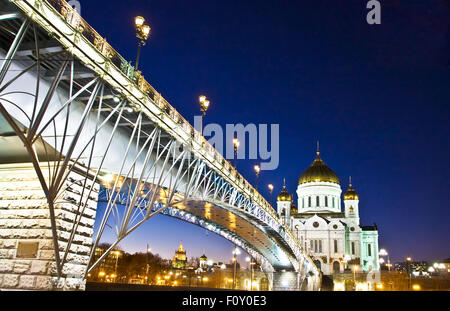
x=203, y=261
x=413, y=266
x=441, y=267
x=107, y=267
x=179, y=259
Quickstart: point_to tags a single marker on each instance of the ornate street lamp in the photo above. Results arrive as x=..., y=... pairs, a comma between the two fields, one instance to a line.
x=204, y=104
x=383, y=253
x=270, y=186
x=236, y=147
x=252, y=263
x=355, y=268
x=257, y=170
x=408, y=262
x=142, y=33
x=235, y=253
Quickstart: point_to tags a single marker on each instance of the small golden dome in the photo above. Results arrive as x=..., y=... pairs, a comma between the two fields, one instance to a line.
x=351, y=194
x=284, y=195
x=294, y=209
x=318, y=171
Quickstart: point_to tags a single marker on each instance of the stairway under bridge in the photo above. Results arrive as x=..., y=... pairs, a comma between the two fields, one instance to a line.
x=79, y=125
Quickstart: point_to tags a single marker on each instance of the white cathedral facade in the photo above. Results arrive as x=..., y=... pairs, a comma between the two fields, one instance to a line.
x=332, y=237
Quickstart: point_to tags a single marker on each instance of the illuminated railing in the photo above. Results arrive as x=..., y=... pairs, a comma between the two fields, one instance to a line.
x=72, y=17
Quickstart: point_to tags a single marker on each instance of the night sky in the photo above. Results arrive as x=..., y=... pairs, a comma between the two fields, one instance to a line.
x=376, y=96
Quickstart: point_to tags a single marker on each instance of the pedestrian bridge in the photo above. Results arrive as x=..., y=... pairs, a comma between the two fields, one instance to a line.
x=90, y=129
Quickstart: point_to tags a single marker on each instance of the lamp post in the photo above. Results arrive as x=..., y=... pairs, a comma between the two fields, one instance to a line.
x=222, y=267
x=408, y=262
x=235, y=253
x=257, y=170
x=383, y=252
x=101, y=275
x=236, y=147
x=117, y=253
x=142, y=33
x=147, y=264
x=204, y=104
x=252, y=263
x=270, y=186
x=355, y=268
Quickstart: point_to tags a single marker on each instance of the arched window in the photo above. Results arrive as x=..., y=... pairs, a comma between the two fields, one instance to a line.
x=303, y=202
x=333, y=202
x=309, y=201
x=317, y=201
x=326, y=201
x=336, y=267
x=317, y=263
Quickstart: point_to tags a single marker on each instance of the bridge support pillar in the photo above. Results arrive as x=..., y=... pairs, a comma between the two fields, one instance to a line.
x=27, y=254
x=293, y=281
x=285, y=281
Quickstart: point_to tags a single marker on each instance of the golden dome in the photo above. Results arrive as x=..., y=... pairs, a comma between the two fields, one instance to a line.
x=294, y=209
x=351, y=194
x=318, y=171
x=284, y=195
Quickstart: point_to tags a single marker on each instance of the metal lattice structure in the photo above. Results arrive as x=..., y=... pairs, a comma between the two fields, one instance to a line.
x=78, y=106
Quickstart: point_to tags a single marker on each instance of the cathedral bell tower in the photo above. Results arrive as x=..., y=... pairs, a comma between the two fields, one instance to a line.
x=284, y=201
x=351, y=202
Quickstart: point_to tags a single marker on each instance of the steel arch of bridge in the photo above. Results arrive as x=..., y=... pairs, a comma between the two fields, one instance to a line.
x=157, y=157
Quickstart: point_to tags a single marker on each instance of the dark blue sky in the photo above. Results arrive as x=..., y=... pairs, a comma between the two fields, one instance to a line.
x=377, y=98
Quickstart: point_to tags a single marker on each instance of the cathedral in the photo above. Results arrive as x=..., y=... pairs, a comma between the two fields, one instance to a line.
x=333, y=238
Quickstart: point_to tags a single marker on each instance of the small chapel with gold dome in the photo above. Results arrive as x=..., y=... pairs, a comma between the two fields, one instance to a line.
x=331, y=235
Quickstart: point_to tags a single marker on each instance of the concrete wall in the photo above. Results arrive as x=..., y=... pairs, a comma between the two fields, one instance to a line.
x=24, y=218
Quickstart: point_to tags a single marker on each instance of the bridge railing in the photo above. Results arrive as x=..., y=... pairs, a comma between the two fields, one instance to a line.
x=72, y=17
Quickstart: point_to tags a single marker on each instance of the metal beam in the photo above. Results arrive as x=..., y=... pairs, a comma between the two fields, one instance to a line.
x=79, y=73
x=142, y=123
x=45, y=50
x=9, y=16
x=105, y=97
x=13, y=49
